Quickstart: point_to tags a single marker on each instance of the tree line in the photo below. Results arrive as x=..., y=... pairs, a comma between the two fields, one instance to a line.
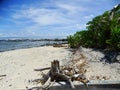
x=102, y=31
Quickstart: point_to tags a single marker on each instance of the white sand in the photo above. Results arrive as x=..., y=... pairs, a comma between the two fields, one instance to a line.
x=19, y=65
x=97, y=70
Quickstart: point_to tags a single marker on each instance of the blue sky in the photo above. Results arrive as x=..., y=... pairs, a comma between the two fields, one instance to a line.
x=48, y=18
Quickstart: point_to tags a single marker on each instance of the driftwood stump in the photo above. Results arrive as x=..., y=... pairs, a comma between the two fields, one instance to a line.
x=65, y=74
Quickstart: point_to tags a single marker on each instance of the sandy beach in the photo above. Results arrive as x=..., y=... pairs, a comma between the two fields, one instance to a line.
x=97, y=69
x=19, y=65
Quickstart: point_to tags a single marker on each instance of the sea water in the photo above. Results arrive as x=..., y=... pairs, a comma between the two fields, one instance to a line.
x=7, y=44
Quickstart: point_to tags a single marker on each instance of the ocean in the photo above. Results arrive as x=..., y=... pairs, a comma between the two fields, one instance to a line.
x=12, y=43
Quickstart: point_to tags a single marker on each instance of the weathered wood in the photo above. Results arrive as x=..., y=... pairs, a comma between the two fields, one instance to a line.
x=47, y=84
x=45, y=77
x=66, y=74
x=80, y=78
x=71, y=84
x=57, y=76
x=55, y=68
x=42, y=69
x=3, y=75
x=61, y=77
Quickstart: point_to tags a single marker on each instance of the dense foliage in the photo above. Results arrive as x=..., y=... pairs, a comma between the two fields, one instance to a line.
x=102, y=32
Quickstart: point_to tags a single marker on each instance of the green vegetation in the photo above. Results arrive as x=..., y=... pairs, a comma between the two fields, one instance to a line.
x=102, y=32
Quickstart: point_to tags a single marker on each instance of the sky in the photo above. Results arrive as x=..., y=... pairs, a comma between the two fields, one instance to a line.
x=48, y=18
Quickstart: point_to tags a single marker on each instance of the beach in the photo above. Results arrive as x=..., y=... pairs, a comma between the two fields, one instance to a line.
x=18, y=65
x=97, y=69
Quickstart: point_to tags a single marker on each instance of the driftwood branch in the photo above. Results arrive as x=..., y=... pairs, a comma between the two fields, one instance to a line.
x=66, y=74
x=42, y=69
x=3, y=75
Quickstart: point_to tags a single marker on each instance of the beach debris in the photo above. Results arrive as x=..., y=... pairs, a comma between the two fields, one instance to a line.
x=4, y=75
x=10, y=85
x=60, y=45
x=99, y=77
x=42, y=69
x=66, y=73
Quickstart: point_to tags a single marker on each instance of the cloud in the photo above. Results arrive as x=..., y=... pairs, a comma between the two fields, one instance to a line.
x=56, y=19
x=89, y=16
x=51, y=17
x=60, y=13
x=42, y=16
x=8, y=34
x=67, y=7
x=1, y=34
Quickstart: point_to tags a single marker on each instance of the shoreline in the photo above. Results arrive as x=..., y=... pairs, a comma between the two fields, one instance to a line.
x=19, y=65
x=15, y=47
x=25, y=48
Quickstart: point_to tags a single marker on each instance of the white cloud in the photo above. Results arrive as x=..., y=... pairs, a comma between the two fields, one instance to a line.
x=1, y=34
x=8, y=34
x=89, y=16
x=63, y=13
x=31, y=33
x=66, y=16
x=72, y=8
x=42, y=16
x=80, y=26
